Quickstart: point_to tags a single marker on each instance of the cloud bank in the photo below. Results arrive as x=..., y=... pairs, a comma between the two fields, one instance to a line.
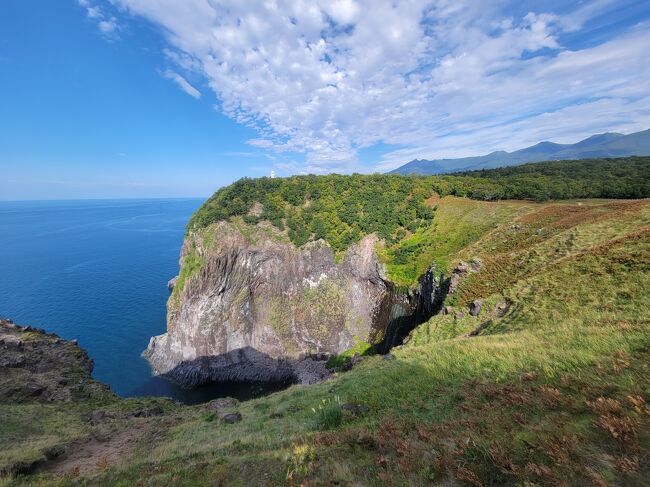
x=447, y=78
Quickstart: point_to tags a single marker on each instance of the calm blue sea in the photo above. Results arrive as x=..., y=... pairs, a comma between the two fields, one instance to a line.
x=97, y=271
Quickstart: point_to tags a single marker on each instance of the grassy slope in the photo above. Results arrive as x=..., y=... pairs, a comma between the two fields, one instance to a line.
x=553, y=392
x=458, y=222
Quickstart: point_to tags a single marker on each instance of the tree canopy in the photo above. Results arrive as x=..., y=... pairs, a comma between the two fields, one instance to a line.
x=342, y=209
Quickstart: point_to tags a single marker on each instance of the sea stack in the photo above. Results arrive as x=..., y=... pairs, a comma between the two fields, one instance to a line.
x=249, y=305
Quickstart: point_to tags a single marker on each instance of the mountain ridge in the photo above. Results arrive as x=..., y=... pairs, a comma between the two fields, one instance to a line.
x=608, y=144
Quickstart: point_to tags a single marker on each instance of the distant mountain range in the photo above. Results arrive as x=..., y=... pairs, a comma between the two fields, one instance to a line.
x=602, y=145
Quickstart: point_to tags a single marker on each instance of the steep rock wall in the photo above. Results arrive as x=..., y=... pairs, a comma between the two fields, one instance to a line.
x=251, y=306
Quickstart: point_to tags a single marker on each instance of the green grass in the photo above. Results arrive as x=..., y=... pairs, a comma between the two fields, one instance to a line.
x=192, y=264
x=329, y=414
x=26, y=431
x=458, y=222
x=553, y=391
x=29, y=430
x=360, y=347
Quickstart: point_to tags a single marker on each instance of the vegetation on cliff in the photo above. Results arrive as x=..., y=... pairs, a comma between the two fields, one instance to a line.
x=401, y=209
x=547, y=385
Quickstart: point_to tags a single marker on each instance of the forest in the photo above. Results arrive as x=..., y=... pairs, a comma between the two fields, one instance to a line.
x=342, y=209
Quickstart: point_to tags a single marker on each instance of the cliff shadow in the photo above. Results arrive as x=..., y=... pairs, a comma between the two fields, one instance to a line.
x=245, y=364
x=248, y=365
x=160, y=387
x=402, y=312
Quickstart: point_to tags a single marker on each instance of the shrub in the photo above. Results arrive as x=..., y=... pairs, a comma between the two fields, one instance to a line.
x=329, y=414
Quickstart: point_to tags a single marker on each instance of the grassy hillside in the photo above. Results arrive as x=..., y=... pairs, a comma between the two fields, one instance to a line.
x=401, y=210
x=548, y=385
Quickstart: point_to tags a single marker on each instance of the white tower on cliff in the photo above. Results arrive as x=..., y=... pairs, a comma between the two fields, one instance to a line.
x=272, y=174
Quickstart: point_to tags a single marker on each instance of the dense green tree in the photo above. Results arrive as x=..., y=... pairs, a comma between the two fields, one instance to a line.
x=342, y=209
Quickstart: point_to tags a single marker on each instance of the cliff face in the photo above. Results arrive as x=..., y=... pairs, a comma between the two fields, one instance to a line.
x=248, y=305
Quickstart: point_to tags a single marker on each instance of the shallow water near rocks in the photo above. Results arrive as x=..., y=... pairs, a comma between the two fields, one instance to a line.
x=96, y=271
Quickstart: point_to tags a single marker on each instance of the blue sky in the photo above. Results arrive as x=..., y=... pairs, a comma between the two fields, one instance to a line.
x=157, y=98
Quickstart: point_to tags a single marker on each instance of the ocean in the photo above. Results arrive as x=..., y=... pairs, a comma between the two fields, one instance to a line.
x=97, y=271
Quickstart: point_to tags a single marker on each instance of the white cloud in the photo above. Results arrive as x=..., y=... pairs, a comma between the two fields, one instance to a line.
x=182, y=83
x=107, y=24
x=93, y=12
x=445, y=78
x=592, y=9
x=342, y=11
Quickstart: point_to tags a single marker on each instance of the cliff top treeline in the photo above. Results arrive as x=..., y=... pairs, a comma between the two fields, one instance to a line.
x=342, y=209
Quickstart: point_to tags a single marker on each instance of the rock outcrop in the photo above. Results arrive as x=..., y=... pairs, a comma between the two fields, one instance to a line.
x=172, y=282
x=475, y=307
x=461, y=271
x=249, y=305
x=36, y=366
x=431, y=293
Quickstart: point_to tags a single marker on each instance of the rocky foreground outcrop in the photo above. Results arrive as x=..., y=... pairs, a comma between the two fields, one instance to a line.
x=249, y=305
x=55, y=418
x=36, y=366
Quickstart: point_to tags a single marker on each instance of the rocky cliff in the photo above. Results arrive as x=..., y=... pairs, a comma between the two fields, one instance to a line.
x=36, y=366
x=249, y=305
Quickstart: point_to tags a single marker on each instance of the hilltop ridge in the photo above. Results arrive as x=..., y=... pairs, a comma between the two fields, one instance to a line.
x=341, y=210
